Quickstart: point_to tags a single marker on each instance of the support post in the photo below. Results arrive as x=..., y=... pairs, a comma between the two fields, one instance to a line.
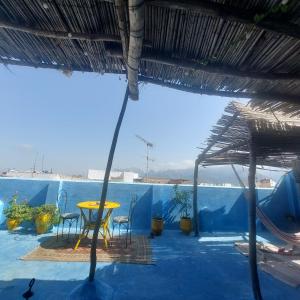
x=93, y=256
x=195, y=196
x=136, y=35
x=252, y=223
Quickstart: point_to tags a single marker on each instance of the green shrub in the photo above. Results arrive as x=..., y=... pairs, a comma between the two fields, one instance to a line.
x=50, y=209
x=19, y=211
x=183, y=199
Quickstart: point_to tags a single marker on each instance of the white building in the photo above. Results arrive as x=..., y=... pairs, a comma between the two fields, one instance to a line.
x=266, y=183
x=114, y=176
x=30, y=174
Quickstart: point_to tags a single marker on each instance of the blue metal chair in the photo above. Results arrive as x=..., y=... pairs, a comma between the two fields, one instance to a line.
x=125, y=221
x=64, y=215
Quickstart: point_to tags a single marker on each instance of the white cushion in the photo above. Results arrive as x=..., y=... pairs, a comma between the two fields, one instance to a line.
x=121, y=219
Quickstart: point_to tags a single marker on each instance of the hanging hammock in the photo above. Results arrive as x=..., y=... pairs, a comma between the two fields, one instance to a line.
x=290, y=238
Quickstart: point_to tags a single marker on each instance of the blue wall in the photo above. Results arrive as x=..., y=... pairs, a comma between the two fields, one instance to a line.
x=1, y=211
x=221, y=209
x=35, y=192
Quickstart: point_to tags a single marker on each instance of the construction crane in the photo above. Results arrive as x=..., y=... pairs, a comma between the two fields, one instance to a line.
x=148, y=145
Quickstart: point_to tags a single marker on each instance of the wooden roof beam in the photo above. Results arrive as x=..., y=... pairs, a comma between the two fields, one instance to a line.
x=235, y=146
x=136, y=36
x=231, y=14
x=213, y=69
x=58, y=67
x=217, y=68
x=261, y=96
x=215, y=139
x=60, y=34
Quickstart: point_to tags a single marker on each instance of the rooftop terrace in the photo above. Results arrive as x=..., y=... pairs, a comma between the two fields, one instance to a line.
x=185, y=268
x=208, y=267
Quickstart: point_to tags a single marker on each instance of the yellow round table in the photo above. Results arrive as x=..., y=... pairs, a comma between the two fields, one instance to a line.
x=95, y=204
x=89, y=224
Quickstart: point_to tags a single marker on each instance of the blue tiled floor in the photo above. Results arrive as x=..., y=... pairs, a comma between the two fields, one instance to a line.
x=185, y=268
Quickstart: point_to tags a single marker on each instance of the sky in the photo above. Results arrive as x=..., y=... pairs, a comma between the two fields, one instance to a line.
x=70, y=120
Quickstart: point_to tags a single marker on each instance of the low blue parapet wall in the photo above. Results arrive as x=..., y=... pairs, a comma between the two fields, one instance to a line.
x=35, y=191
x=221, y=209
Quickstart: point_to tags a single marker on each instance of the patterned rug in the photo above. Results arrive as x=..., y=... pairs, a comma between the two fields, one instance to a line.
x=138, y=252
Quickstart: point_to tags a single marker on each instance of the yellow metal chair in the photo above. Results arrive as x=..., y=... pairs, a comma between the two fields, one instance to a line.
x=89, y=224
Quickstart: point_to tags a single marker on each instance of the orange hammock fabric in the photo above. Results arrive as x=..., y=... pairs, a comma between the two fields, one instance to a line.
x=291, y=238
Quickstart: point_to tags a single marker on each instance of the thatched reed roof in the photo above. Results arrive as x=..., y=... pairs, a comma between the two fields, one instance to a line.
x=246, y=48
x=274, y=136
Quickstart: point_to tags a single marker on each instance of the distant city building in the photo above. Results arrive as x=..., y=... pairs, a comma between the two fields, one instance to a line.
x=163, y=180
x=227, y=184
x=180, y=181
x=117, y=176
x=38, y=175
x=266, y=183
x=215, y=184
x=153, y=180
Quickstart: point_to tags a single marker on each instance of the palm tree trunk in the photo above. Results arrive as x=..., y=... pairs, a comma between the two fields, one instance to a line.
x=93, y=256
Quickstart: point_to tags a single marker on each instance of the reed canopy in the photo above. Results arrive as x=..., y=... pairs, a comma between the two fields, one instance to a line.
x=273, y=134
x=248, y=136
x=246, y=48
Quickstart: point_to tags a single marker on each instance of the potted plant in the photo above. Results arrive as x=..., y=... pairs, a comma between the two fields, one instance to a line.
x=16, y=213
x=157, y=225
x=45, y=216
x=183, y=199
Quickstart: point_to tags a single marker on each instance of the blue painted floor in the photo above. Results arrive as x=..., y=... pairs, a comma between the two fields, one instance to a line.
x=185, y=268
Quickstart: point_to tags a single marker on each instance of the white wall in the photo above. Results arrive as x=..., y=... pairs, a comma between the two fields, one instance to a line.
x=114, y=176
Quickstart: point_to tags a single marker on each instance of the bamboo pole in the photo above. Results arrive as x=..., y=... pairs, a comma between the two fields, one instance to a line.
x=123, y=27
x=60, y=34
x=195, y=199
x=136, y=36
x=233, y=146
x=252, y=223
x=93, y=256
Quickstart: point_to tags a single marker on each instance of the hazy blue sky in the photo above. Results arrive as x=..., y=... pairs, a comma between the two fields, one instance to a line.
x=70, y=120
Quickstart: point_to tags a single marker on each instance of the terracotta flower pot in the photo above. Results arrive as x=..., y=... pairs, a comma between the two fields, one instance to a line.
x=42, y=223
x=157, y=226
x=12, y=224
x=186, y=225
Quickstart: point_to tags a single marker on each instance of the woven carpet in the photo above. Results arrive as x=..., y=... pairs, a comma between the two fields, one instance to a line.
x=138, y=252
